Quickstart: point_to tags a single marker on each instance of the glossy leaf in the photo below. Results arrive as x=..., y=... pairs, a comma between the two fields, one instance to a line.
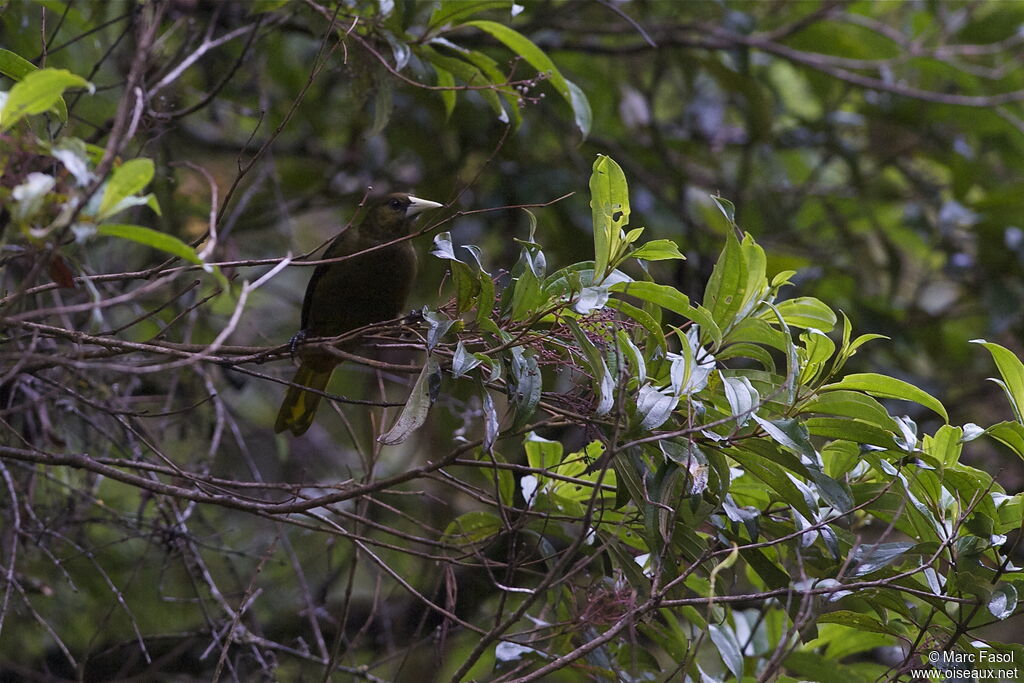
x=654, y=406
x=1012, y=371
x=454, y=11
x=37, y=92
x=853, y=404
x=604, y=382
x=883, y=386
x=1010, y=434
x=729, y=648
x=159, y=240
x=650, y=326
x=725, y=291
x=414, y=413
x=541, y=453
x=445, y=79
x=1003, y=601
x=870, y=558
x=657, y=250
x=127, y=179
x=609, y=206
x=537, y=58
x=807, y=312
x=673, y=300
x=470, y=74
x=525, y=383
x=472, y=528
x=463, y=361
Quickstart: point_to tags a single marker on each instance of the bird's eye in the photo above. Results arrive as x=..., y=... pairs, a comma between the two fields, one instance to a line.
x=395, y=204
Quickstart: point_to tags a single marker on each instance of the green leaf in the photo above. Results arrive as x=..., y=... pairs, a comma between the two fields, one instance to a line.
x=1003, y=601
x=791, y=434
x=14, y=66
x=264, y=6
x=830, y=490
x=870, y=558
x=492, y=427
x=840, y=457
x=445, y=79
x=657, y=250
x=162, y=241
x=726, y=289
x=604, y=382
x=454, y=11
x=671, y=299
x=469, y=73
x=727, y=208
x=467, y=286
x=771, y=474
x=438, y=325
x=818, y=346
x=541, y=453
x=654, y=407
x=861, y=622
x=633, y=356
x=945, y=446
x=472, y=528
x=526, y=294
x=1012, y=372
x=772, y=574
x=755, y=264
x=485, y=301
x=583, y=117
x=806, y=311
x=537, y=58
x=633, y=235
x=1010, y=434
x=815, y=667
x=609, y=207
x=748, y=351
x=758, y=331
x=383, y=103
x=37, y=92
x=463, y=361
x=524, y=384
x=884, y=386
x=864, y=339
x=849, y=430
x=127, y=179
x=414, y=413
x=650, y=325
x=729, y=647
x=493, y=73
x=851, y=404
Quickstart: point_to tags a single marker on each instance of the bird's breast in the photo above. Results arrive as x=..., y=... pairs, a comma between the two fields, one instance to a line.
x=367, y=289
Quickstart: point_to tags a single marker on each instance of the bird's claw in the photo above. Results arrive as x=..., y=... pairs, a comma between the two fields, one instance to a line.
x=296, y=339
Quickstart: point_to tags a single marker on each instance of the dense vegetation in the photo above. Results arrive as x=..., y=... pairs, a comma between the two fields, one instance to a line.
x=693, y=387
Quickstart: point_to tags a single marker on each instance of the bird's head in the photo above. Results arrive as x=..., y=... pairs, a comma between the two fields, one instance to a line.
x=390, y=216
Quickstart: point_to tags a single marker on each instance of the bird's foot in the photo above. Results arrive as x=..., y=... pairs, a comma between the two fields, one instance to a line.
x=297, y=339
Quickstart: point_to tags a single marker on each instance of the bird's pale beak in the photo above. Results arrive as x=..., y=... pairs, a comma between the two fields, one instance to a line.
x=417, y=205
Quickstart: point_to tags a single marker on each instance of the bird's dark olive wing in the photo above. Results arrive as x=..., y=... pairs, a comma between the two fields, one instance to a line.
x=364, y=290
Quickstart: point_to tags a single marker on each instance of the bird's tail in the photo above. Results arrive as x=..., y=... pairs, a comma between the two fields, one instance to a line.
x=299, y=407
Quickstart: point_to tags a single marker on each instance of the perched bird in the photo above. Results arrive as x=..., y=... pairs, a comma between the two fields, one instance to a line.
x=344, y=296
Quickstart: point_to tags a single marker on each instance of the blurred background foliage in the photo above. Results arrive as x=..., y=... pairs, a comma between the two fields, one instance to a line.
x=876, y=148
x=902, y=211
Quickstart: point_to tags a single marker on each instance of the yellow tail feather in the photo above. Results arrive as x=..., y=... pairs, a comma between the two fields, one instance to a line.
x=299, y=407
